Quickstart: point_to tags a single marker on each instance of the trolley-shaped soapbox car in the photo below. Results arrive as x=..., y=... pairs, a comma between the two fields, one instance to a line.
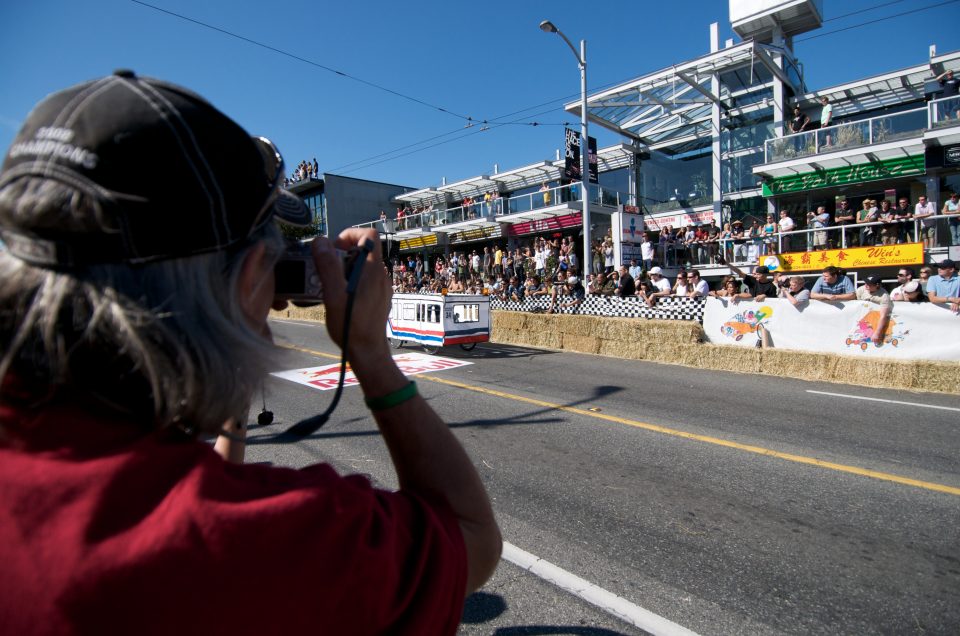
x=439, y=320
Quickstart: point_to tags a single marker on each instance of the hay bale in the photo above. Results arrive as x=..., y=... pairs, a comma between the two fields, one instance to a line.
x=317, y=313
x=507, y=320
x=580, y=343
x=936, y=376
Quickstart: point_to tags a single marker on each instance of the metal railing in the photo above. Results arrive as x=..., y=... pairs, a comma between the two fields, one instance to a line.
x=745, y=251
x=501, y=207
x=944, y=112
x=904, y=125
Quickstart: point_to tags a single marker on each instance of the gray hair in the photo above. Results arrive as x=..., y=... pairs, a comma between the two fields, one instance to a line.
x=166, y=343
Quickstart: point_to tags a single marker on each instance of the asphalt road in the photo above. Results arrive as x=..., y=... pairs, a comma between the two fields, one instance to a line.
x=725, y=503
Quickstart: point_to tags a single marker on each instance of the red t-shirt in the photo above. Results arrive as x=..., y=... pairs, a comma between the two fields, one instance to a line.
x=107, y=529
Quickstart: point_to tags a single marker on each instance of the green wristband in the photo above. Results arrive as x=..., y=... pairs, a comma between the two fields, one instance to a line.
x=391, y=400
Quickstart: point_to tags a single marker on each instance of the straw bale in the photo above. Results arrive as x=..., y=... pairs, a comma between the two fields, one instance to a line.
x=549, y=339
x=507, y=320
x=317, y=313
x=580, y=343
x=936, y=376
x=618, y=329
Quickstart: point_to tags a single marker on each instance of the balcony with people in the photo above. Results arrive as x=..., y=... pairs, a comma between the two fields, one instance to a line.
x=881, y=122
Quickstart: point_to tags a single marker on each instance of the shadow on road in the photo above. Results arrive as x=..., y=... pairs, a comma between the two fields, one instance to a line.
x=483, y=607
x=536, y=416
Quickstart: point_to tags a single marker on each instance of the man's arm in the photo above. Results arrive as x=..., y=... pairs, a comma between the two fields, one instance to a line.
x=941, y=300
x=882, y=325
x=426, y=455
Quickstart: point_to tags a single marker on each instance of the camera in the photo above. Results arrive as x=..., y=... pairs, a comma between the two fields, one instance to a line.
x=295, y=275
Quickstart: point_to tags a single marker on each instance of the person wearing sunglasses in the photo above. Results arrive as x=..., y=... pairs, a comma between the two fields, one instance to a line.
x=141, y=232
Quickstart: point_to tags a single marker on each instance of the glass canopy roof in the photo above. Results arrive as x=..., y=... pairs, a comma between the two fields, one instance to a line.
x=669, y=109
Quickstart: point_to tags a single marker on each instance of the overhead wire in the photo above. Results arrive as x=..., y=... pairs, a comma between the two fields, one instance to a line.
x=485, y=124
x=274, y=49
x=868, y=23
x=847, y=15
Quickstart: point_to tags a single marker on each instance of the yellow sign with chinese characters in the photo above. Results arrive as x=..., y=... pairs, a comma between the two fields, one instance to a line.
x=849, y=258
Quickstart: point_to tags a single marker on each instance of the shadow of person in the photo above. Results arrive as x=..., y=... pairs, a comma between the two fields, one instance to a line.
x=481, y=607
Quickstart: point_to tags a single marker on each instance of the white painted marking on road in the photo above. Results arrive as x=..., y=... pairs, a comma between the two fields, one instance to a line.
x=607, y=601
x=873, y=399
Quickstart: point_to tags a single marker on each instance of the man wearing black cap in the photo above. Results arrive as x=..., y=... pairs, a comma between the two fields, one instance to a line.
x=760, y=286
x=944, y=288
x=141, y=236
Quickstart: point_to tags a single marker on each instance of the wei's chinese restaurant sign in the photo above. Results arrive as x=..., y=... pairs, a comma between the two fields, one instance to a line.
x=850, y=258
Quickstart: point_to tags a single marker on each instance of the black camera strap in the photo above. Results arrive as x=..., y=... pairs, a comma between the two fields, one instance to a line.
x=310, y=425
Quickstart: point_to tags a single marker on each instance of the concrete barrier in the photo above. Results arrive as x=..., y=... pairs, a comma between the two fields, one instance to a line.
x=682, y=342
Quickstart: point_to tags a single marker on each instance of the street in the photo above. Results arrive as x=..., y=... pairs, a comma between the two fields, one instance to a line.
x=722, y=503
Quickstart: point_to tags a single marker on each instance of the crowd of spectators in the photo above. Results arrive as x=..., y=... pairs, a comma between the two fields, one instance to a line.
x=547, y=267
x=874, y=224
x=304, y=171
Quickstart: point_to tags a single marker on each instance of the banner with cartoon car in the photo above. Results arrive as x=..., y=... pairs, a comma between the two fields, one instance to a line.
x=915, y=331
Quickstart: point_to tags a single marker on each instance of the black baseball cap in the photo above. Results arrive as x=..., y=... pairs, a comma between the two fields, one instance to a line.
x=171, y=174
x=946, y=263
x=873, y=280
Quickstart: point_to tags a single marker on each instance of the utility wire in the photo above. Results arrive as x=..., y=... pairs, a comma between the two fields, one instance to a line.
x=310, y=62
x=863, y=24
x=847, y=15
x=484, y=128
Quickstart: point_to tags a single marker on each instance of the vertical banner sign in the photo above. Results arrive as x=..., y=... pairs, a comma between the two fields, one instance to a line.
x=571, y=165
x=592, y=160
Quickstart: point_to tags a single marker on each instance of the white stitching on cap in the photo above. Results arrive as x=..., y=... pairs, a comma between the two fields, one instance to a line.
x=69, y=111
x=183, y=147
x=203, y=159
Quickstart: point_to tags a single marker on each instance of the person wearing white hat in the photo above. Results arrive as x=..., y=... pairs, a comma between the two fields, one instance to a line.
x=660, y=284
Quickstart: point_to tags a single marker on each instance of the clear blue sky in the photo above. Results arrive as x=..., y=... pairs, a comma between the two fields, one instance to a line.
x=483, y=60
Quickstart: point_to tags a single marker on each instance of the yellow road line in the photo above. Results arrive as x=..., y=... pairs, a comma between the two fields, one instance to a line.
x=759, y=450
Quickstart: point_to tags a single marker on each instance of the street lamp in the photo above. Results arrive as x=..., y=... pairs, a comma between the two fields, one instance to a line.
x=548, y=27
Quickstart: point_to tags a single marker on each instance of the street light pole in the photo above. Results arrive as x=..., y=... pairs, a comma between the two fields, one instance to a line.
x=549, y=27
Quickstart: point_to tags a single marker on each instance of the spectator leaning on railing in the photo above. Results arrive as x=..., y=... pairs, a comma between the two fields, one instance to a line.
x=833, y=285
x=760, y=286
x=660, y=284
x=952, y=208
x=795, y=292
x=924, y=211
x=944, y=288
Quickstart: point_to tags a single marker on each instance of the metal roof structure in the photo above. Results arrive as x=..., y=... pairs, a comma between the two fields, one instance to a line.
x=883, y=91
x=759, y=20
x=670, y=109
x=609, y=158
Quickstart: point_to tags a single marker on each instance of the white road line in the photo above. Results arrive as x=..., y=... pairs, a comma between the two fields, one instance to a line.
x=607, y=601
x=873, y=399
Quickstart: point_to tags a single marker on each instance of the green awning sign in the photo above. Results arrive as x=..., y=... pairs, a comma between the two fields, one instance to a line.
x=908, y=166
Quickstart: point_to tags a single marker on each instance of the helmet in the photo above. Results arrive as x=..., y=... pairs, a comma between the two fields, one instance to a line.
x=573, y=280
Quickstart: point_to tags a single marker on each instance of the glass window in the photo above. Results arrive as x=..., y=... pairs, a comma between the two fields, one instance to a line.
x=738, y=172
x=318, y=207
x=672, y=183
x=469, y=312
x=409, y=311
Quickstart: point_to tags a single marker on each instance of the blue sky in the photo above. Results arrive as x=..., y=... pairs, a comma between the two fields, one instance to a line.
x=482, y=60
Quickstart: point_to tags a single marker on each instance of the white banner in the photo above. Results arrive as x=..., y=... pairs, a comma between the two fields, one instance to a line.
x=916, y=331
